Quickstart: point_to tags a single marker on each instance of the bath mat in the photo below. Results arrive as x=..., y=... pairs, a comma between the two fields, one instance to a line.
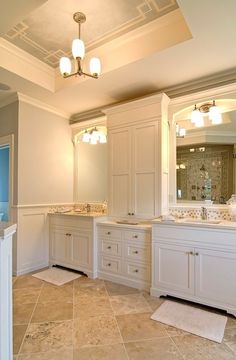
x=188, y=318
x=56, y=276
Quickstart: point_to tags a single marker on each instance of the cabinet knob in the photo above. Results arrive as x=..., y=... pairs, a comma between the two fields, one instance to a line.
x=196, y=254
x=108, y=233
x=136, y=270
x=135, y=236
x=129, y=213
x=109, y=264
x=132, y=213
x=109, y=247
x=135, y=252
x=189, y=253
x=68, y=234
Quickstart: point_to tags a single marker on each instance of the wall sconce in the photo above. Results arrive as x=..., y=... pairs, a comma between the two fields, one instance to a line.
x=94, y=136
x=209, y=109
x=180, y=132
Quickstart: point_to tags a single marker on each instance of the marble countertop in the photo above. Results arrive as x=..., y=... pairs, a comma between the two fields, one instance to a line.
x=223, y=224
x=83, y=214
x=6, y=228
x=140, y=225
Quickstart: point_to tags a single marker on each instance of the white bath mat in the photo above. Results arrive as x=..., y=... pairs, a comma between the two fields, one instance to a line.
x=188, y=318
x=56, y=276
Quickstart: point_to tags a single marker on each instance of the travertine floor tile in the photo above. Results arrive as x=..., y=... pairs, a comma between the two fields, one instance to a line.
x=52, y=293
x=94, y=307
x=99, y=330
x=156, y=349
x=89, y=291
x=22, y=313
x=27, y=281
x=196, y=348
x=139, y=327
x=53, y=311
x=231, y=322
x=84, y=281
x=230, y=339
x=118, y=289
x=62, y=354
x=112, y=352
x=129, y=304
x=18, y=336
x=47, y=337
x=154, y=302
x=25, y=296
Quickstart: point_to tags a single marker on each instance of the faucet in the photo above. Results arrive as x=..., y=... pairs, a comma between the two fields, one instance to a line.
x=204, y=213
x=88, y=208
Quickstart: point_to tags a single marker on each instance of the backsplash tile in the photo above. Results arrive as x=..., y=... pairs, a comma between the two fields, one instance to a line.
x=195, y=212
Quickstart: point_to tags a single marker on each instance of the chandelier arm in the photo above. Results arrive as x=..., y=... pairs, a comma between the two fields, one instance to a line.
x=90, y=75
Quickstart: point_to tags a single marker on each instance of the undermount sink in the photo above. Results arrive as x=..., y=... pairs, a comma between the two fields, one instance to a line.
x=200, y=221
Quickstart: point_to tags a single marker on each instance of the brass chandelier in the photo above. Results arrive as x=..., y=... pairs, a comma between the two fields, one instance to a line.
x=78, y=52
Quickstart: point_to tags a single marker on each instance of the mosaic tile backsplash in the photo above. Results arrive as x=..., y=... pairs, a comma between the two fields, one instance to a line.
x=195, y=213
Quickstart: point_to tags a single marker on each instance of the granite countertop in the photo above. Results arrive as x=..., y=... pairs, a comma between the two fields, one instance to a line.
x=140, y=225
x=6, y=228
x=223, y=224
x=83, y=214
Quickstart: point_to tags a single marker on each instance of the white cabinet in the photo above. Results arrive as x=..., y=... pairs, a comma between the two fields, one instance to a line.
x=138, y=149
x=73, y=243
x=198, y=264
x=124, y=254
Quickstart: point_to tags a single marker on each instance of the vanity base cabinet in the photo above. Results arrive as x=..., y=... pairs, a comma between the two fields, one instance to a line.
x=195, y=264
x=124, y=255
x=73, y=243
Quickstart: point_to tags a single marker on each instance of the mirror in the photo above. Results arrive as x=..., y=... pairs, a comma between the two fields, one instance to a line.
x=91, y=163
x=205, y=160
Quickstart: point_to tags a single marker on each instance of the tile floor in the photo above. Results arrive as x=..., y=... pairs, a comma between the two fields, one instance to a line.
x=99, y=320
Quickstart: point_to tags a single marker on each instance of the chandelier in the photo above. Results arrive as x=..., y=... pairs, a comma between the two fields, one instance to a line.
x=209, y=109
x=78, y=52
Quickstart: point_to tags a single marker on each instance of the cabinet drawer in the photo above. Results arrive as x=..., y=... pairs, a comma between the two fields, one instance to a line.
x=134, y=251
x=137, y=235
x=110, y=264
x=141, y=272
x=111, y=247
x=109, y=232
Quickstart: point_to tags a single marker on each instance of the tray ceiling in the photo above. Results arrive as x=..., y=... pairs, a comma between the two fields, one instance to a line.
x=48, y=32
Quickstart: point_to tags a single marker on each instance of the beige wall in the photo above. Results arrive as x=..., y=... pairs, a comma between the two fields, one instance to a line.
x=45, y=156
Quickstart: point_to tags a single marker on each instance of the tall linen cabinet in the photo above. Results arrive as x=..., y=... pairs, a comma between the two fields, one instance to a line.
x=138, y=140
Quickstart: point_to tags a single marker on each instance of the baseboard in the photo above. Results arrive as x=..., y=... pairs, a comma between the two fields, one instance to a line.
x=119, y=279
x=30, y=269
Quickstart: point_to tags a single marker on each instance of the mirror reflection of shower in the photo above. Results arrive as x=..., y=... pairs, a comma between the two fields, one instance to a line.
x=4, y=182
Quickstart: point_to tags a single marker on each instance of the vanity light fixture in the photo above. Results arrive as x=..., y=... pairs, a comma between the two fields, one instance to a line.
x=206, y=109
x=180, y=132
x=94, y=136
x=78, y=52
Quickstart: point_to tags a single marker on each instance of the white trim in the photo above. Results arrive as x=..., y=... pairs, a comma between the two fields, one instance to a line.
x=25, y=206
x=41, y=105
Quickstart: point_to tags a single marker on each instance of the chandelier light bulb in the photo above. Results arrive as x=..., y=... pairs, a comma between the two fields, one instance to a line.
x=65, y=66
x=78, y=49
x=95, y=66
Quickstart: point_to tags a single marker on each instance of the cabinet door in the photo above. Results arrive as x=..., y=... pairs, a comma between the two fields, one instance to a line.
x=215, y=275
x=81, y=249
x=173, y=268
x=120, y=172
x=144, y=172
x=60, y=246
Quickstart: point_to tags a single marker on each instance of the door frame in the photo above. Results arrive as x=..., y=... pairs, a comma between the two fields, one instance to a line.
x=9, y=141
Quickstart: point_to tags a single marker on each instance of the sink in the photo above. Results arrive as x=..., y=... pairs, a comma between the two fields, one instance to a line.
x=200, y=221
x=126, y=222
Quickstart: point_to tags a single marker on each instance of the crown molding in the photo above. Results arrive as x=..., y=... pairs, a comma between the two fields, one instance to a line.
x=86, y=116
x=21, y=63
x=41, y=105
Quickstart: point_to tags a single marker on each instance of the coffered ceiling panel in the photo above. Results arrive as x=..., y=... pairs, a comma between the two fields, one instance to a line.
x=48, y=31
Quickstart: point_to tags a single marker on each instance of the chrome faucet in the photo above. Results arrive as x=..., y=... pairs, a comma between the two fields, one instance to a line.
x=204, y=213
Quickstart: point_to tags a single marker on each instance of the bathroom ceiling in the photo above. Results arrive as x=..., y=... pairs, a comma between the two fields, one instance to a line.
x=175, y=47
x=48, y=31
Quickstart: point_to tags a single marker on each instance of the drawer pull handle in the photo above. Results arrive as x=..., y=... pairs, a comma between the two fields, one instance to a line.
x=68, y=234
x=135, y=236
x=109, y=264
x=109, y=247
x=108, y=233
x=136, y=270
x=135, y=252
